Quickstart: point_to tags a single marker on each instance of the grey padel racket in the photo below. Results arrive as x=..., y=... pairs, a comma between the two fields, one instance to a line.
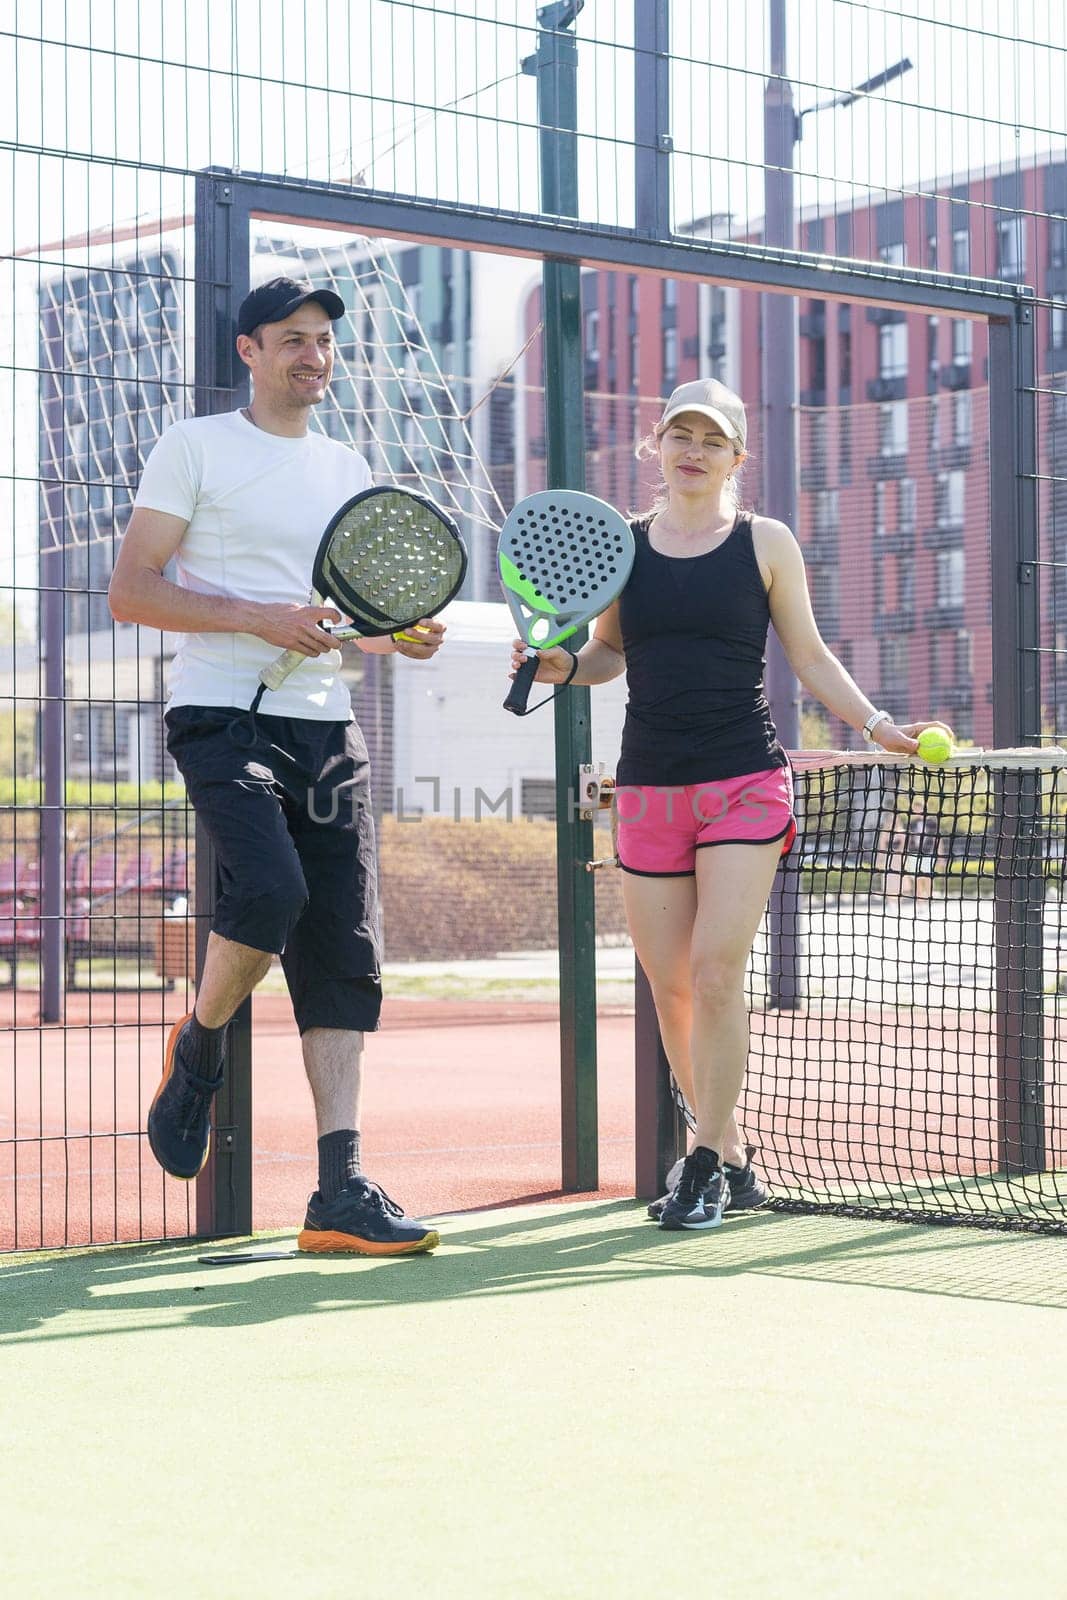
x=563, y=558
x=388, y=557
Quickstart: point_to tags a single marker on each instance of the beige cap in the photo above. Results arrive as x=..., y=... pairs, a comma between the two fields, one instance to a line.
x=712, y=399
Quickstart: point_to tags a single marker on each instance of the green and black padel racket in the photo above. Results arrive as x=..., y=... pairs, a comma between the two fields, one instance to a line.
x=563, y=558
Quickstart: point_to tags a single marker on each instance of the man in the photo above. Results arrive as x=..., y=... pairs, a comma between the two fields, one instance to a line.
x=240, y=502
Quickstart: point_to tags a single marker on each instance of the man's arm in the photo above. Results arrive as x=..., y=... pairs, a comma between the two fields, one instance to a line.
x=138, y=592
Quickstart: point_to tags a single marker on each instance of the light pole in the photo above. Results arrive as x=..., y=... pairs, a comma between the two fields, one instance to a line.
x=783, y=128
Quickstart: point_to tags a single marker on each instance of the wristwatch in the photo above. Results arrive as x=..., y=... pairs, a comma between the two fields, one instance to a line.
x=872, y=722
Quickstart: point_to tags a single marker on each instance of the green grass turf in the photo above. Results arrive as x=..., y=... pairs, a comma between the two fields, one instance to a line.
x=563, y=1402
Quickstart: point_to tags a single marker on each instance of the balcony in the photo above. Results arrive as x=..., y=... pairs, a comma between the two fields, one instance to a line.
x=887, y=388
x=813, y=476
x=957, y=375
x=950, y=458
x=899, y=542
x=943, y=617
x=888, y=466
x=812, y=324
x=893, y=622
x=824, y=546
x=947, y=536
x=958, y=697
x=884, y=316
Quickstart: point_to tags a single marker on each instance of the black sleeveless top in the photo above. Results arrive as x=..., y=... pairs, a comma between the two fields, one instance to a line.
x=694, y=631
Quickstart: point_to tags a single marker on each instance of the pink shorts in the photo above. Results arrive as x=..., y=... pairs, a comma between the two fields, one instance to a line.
x=661, y=828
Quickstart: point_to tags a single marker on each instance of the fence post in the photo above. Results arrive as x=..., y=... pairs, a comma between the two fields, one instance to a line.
x=224, y=1188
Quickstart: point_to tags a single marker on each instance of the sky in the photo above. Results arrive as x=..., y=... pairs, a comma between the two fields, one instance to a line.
x=114, y=101
x=427, y=96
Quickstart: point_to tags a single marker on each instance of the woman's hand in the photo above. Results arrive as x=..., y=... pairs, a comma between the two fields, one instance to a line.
x=904, y=740
x=554, y=665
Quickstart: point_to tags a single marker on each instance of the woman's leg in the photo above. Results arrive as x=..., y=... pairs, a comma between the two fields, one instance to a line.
x=733, y=885
x=661, y=913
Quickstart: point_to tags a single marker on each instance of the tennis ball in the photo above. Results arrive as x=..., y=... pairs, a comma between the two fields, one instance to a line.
x=935, y=746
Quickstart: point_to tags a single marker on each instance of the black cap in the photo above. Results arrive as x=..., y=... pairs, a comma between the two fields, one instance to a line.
x=278, y=299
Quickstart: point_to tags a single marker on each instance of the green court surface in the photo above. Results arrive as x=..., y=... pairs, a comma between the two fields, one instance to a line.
x=563, y=1402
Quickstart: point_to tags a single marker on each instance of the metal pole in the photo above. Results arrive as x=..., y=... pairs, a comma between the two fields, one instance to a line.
x=1018, y=904
x=556, y=69
x=224, y=1188
x=659, y=1134
x=52, y=634
x=778, y=314
x=652, y=139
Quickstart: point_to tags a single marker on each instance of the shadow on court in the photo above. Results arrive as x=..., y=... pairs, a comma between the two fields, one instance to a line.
x=557, y=1250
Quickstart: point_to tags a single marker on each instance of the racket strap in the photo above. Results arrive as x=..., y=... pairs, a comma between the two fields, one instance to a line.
x=559, y=687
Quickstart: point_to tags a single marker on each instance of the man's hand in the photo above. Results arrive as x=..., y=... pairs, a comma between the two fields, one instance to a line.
x=421, y=641
x=293, y=627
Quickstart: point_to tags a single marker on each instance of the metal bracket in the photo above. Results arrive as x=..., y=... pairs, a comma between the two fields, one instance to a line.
x=225, y=1141
x=1026, y=572
x=596, y=792
x=665, y=144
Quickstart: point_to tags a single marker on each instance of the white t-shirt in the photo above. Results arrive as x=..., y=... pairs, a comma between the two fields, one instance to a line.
x=257, y=505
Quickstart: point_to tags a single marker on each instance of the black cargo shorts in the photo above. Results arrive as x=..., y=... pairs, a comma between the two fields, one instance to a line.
x=290, y=819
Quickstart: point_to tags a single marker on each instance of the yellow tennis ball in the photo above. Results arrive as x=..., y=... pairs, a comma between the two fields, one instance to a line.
x=935, y=746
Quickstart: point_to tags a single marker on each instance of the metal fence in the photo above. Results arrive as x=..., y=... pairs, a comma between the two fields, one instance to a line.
x=854, y=214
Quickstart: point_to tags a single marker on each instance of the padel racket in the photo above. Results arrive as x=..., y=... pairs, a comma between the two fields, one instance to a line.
x=563, y=558
x=387, y=558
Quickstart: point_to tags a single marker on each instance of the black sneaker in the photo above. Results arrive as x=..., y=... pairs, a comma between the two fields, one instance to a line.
x=747, y=1189
x=365, y=1222
x=701, y=1194
x=179, y=1118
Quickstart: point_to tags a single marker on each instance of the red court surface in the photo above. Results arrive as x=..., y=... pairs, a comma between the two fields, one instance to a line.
x=461, y=1110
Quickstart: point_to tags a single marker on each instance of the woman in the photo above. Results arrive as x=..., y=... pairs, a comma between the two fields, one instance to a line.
x=704, y=787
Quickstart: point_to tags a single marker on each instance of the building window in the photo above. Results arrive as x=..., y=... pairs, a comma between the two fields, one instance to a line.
x=893, y=350
x=670, y=357
x=961, y=250
x=538, y=797
x=948, y=499
x=893, y=424
x=817, y=441
x=962, y=343
x=592, y=336
x=1058, y=323
x=894, y=255
x=932, y=326
x=1011, y=248
x=906, y=505
x=1057, y=242
x=879, y=507
x=931, y=249
x=933, y=439
x=950, y=572
x=961, y=417
x=826, y=511
x=844, y=361
x=844, y=446
x=905, y=584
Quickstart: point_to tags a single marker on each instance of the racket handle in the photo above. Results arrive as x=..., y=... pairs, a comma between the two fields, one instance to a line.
x=521, y=684
x=274, y=675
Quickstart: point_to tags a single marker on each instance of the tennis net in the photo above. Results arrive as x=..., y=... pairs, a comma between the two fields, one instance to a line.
x=908, y=995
